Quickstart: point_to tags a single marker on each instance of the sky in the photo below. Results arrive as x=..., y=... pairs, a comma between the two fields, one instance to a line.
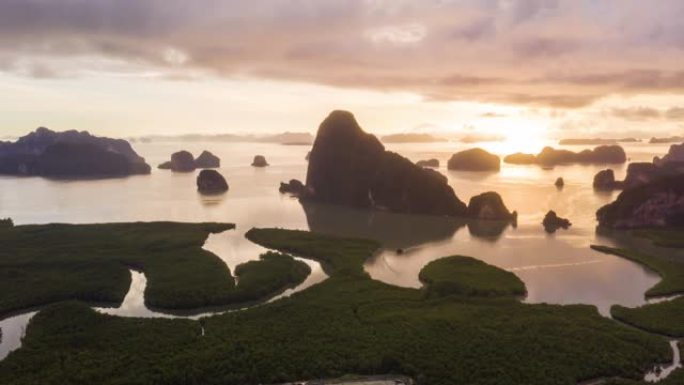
x=515, y=69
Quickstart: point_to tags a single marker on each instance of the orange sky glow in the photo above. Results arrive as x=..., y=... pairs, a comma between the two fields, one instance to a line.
x=522, y=71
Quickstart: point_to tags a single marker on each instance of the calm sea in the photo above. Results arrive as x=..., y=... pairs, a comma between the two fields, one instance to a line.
x=559, y=268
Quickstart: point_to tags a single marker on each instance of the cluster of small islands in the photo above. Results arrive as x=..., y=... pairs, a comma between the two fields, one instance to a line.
x=352, y=168
x=467, y=324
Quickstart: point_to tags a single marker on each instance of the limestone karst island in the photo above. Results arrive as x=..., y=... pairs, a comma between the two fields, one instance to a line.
x=341, y=192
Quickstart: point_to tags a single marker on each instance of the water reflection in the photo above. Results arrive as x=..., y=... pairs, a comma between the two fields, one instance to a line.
x=234, y=249
x=394, y=231
x=13, y=329
x=133, y=304
x=474, y=176
x=556, y=269
x=231, y=246
x=488, y=230
x=212, y=199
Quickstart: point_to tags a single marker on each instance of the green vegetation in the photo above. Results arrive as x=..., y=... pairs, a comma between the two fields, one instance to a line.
x=672, y=273
x=6, y=223
x=670, y=237
x=273, y=272
x=665, y=318
x=675, y=378
x=338, y=256
x=83, y=333
x=346, y=324
x=469, y=276
x=662, y=318
x=43, y=264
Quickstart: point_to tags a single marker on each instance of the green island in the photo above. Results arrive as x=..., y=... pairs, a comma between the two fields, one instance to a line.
x=338, y=256
x=44, y=264
x=272, y=273
x=348, y=324
x=667, y=317
x=469, y=276
x=663, y=318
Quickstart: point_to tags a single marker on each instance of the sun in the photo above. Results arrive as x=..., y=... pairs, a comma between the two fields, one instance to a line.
x=517, y=135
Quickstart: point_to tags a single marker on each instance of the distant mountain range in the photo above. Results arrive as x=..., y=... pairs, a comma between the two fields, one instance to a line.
x=596, y=141
x=671, y=139
x=288, y=138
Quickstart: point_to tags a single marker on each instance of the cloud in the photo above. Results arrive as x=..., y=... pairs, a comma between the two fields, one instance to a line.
x=404, y=34
x=544, y=47
x=675, y=113
x=563, y=54
x=492, y=115
x=551, y=100
x=648, y=113
x=637, y=113
x=480, y=28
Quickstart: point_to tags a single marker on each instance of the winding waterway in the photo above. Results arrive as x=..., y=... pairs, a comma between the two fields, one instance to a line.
x=558, y=268
x=232, y=247
x=662, y=371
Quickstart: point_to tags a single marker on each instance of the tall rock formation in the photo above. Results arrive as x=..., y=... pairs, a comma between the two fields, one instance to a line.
x=350, y=167
x=657, y=204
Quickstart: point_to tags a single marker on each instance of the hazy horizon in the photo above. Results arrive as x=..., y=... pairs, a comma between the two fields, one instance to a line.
x=181, y=236
x=539, y=69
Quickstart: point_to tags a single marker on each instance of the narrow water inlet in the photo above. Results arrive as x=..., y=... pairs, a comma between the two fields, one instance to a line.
x=13, y=330
x=663, y=371
x=133, y=305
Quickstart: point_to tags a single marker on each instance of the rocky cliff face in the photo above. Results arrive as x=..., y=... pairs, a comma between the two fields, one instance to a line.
x=259, y=161
x=642, y=173
x=70, y=153
x=36, y=142
x=490, y=206
x=520, y=158
x=81, y=160
x=656, y=204
x=184, y=161
x=432, y=163
x=605, y=180
x=401, y=186
x=350, y=167
x=207, y=160
x=638, y=174
x=552, y=222
x=211, y=182
x=674, y=155
x=475, y=159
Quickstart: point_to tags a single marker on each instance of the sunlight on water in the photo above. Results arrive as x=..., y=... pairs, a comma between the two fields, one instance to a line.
x=557, y=268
